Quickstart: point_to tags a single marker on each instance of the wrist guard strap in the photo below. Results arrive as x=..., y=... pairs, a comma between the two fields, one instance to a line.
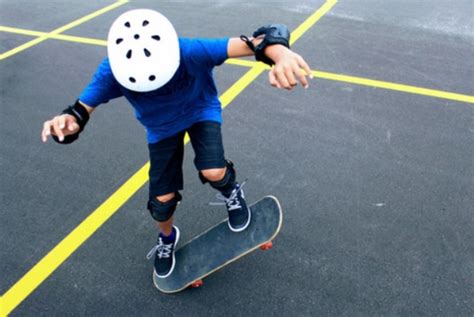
x=80, y=113
x=273, y=34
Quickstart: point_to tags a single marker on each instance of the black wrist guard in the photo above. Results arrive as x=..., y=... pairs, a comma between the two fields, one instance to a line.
x=274, y=34
x=80, y=113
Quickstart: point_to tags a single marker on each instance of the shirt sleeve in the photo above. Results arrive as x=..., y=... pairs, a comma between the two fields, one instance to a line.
x=208, y=52
x=102, y=88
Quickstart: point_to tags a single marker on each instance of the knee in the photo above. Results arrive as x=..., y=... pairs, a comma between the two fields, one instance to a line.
x=162, y=207
x=165, y=198
x=214, y=174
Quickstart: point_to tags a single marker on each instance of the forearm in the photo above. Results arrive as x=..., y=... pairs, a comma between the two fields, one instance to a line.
x=238, y=48
x=88, y=108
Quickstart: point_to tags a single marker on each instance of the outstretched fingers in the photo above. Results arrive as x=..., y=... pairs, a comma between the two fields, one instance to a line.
x=282, y=75
x=301, y=70
x=288, y=73
x=46, y=131
x=60, y=126
x=299, y=74
x=273, y=80
x=302, y=63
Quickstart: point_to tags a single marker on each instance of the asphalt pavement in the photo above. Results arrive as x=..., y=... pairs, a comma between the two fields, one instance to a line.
x=376, y=185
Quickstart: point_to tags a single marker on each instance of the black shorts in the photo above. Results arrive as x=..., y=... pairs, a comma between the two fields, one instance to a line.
x=166, y=156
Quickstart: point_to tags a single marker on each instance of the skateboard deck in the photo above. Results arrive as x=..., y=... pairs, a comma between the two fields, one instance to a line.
x=219, y=246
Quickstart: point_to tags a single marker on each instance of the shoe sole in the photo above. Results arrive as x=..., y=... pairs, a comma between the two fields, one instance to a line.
x=245, y=226
x=174, y=259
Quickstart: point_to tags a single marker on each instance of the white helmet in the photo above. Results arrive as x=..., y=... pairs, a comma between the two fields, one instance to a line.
x=143, y=50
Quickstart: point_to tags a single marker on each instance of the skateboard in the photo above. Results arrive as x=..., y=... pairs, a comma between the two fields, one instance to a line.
x=219, y=246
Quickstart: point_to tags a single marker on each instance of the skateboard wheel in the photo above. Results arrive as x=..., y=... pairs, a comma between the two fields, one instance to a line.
x=197, y=284
x=266, y=246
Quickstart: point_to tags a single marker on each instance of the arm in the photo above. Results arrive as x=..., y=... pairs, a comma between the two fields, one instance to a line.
x=66, y=124
x=237, y=48
x=289, y=66
x=65, y=127
x=88, y=108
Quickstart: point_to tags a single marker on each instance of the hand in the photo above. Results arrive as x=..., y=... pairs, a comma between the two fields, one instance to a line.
x=60, y=126
x=288, y=67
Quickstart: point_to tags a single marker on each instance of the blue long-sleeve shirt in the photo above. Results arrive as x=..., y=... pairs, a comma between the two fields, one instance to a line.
x=189, y=97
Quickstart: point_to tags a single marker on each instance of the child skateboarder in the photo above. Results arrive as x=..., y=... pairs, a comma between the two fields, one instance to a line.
x=168, y=80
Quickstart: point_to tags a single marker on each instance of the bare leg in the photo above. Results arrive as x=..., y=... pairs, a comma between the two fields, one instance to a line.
x=165, y=227
x=214, y=174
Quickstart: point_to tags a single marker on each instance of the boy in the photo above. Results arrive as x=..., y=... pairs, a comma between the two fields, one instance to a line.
x=169, y=82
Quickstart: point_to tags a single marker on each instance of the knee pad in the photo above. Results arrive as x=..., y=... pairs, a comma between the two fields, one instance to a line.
x=163, y=211
x=225, y=184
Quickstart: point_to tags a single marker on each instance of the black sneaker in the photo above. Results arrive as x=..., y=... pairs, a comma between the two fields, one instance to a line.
x=164, y=255
x=239, y=213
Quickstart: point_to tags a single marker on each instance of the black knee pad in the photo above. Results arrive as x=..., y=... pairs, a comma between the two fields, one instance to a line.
x=227, y=183
x=163, y=211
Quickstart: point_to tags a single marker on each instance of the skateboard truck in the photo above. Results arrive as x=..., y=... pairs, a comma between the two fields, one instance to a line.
x=197, y=284
x=266, y=246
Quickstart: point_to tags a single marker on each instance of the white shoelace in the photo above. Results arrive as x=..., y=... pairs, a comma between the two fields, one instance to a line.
x=232, y=202
x=162, y=250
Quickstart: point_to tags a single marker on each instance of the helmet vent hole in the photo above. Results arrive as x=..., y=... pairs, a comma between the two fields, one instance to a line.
x=152, y=77
x=145, y=23
x=132, y=80
x=147, y=52
x=129, y=54
x=127, y=24
x=118, y=41
x=156, y=37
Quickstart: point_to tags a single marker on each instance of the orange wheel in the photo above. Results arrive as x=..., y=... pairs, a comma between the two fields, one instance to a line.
x=266, y=246
x=197, y=284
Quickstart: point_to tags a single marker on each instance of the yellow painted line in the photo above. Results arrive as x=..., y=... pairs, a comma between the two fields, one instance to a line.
x=300, y=30
x=227, y=97
x=61, y=29
x=395, y=86
x=21, y=31
x=2, y=313
x=89, y=17
x=242, y=62
x=78, y=39
x=21, y=48
x=63, y=37
x=373, y=83
x=51, y=261
x=36, y=275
